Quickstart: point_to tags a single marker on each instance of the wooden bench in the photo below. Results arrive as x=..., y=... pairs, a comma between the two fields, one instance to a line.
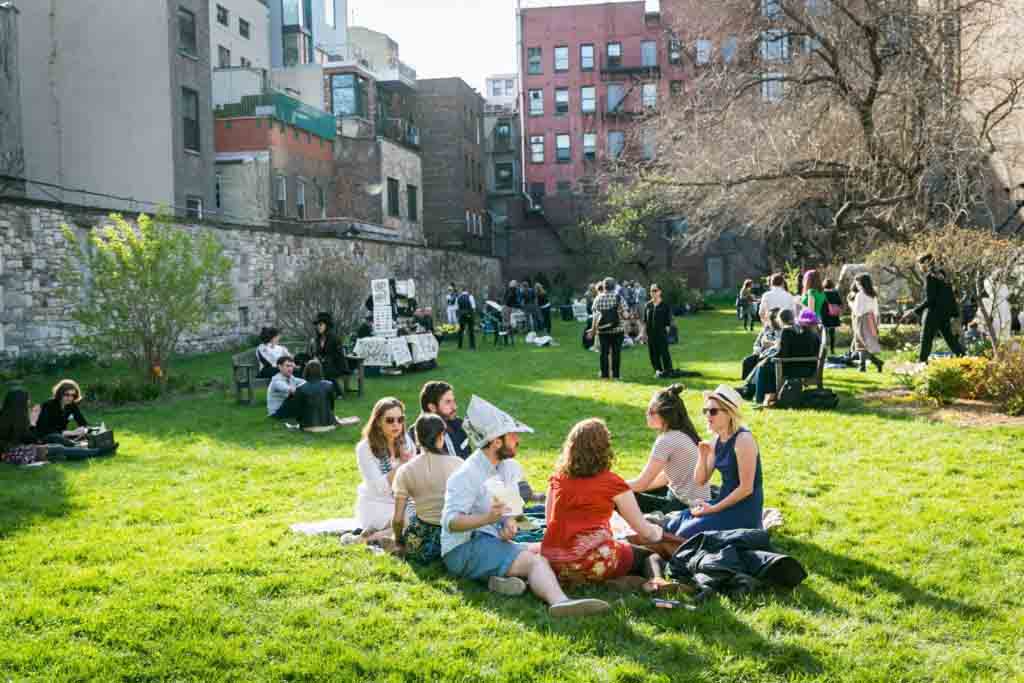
x=245, y=367
x=819, y=360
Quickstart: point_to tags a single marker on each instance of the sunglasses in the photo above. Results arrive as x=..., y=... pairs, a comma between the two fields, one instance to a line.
x=394, y=420
x=711, y=412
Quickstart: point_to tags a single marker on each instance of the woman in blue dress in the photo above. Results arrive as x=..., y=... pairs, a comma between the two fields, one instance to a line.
x=734, y=453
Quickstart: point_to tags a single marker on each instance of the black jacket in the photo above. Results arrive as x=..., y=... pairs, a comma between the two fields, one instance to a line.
x=315, y=402
x=795, y=344
x=331, y=354
x=657, y=319
x=939, y=299
x=53, y=419
x=831, y=297
x=735, y=562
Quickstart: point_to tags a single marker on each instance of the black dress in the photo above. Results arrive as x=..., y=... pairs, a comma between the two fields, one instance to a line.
x=53, y=418
x=331, y=354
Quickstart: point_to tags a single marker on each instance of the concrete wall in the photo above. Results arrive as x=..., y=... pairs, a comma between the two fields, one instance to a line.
x=92, y=121
x=255, y=48
x=357, y=180
x=245, y=188
x=34, y=318
x=305, y=83
x=12, y=152
x=405, y=166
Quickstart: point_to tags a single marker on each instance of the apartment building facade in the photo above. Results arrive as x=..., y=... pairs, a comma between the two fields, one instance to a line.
x=451, y=117
x=240, y=33
x=501, y=91
x=306, y=31
x=153, y=148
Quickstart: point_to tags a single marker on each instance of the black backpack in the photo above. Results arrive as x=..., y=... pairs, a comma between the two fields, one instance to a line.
x=608, y=320
x=464, y=303
x=820, y=399
x=790, y=395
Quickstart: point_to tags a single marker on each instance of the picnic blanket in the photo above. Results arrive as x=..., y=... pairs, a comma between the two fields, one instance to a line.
x=328, y=527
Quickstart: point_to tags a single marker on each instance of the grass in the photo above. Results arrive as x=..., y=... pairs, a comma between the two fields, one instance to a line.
x=173, y=561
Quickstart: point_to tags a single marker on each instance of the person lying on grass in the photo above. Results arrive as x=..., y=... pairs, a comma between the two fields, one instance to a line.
x=582, y=495
x=734, y=453
x=477, y=532
x=422, y=481
x=666, y=483
x=18, y=436
x=384, y=448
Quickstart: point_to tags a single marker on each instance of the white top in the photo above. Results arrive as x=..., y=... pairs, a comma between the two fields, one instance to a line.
x=864, y=304
x=680, y=455
x=777, y=297
x=375, y=501
x=271, y=352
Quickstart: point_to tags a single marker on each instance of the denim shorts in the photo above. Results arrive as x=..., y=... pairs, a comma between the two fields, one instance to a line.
x=482, y=557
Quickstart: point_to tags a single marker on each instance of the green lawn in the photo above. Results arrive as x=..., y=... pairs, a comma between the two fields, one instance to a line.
x=173, y=561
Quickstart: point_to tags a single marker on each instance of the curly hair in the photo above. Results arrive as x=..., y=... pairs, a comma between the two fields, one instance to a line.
x=587, y=451
x=65, y=385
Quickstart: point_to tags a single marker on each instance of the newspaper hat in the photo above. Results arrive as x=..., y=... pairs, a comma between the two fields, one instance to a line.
x=485, y=423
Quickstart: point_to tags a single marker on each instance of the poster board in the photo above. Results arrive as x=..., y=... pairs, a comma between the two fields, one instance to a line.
x=423, y=347
x=400, y=354
x=375, y=352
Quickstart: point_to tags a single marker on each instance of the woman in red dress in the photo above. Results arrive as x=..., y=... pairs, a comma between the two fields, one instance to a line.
x=582, y=495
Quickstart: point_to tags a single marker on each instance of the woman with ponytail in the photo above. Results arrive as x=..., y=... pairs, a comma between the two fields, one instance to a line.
x=666, y=483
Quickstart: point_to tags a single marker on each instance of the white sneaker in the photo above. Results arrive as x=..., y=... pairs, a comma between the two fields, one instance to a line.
x=506, y=585
x=584, y=607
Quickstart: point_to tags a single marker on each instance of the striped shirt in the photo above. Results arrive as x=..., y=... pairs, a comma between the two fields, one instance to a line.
x=680, y=454
x=606, y=302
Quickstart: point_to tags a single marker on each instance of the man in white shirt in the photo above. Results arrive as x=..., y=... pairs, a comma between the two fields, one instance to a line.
x=281, y=392
x=776, y=297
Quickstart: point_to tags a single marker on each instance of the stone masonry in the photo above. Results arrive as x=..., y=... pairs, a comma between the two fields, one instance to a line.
x=35, y=318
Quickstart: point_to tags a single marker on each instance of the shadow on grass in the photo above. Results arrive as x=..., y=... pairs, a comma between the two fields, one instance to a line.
x=846, y=570
x=28, y=494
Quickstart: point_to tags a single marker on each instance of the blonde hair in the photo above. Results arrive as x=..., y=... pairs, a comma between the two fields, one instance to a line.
x=735, y=416
x=372, y=431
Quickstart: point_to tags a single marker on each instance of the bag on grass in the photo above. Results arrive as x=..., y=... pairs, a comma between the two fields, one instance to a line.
x=820, y=399
x=790, y=394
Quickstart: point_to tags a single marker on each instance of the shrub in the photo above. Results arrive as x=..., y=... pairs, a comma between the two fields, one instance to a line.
x=893, y=337
x=1004, y=380
x=331, y=285
x=947, y=379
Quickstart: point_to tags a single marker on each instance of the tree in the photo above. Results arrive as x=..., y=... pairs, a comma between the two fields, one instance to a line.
x=142, y=287
x=330, y=285
x=835, y=125
x=981, y=264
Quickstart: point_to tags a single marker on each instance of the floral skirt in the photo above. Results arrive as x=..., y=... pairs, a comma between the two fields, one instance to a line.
x=609, y=560
x=422, y=541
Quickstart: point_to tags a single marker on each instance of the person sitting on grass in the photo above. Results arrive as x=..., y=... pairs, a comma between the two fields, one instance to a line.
x=582, y=495
x=19, y=435
x=315, y=401
x=56, y=413
x=384, y=448
x=438, y=398
x=734, y=453
x=269, y=351
x=476, y=534
x=796, y=341
x=666, y=483
x=422, y=481
x=281, y=403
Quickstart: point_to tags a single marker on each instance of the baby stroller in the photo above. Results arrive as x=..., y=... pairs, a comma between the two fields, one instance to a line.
x=493, y=322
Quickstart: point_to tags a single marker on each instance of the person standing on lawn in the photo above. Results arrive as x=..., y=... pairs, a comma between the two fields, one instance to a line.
x=476, y=533
x=937, y=310
x=609, y=312
x=831, y=313
x=657, y=322
x=466, y=305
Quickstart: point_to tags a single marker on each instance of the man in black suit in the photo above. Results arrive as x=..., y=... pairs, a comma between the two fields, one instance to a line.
x=937, y=310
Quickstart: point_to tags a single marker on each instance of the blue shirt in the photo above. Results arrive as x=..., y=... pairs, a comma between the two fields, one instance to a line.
x=465, y=495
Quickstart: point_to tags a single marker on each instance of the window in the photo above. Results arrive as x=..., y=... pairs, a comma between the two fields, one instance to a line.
x=588, y=99
x=194, y=208
x=561, y=100
x=300, y=199
x=497, y=89
x=587, y=57
x=818, y=8
x=281, y=195
x=534, y=57
x=771, y=8
x=811, y=44
x=186, y=31
x=675, y=51
x=536, y=103
x=243, y=28
x=564, y=187
x=244, y=63
x=223, y=57
x=503, y=133
x=775, y=45
x=562, y=58
x=394, y=210
x=650, y=144
x=222, y=15
x=329, y=13
x=537, y=149
x=243, y=317
x=703, y=51
x=218, y=181
x=675, y=88
x=510, y=87
x=563, y=149
x=321, y=200
x=614, y=55
x=190, y=118
x=504, y=177
x=297, y=49
x=348, y=95
x=589, y=146
x=616, y=143
x=729, y=49
x=412, y=194
x=772, y=87
x=649, y=53
x=616, y=93
x=537, y=193
x=649, y=95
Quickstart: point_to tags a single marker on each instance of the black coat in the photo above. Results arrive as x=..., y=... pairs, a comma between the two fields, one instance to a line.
x=315, y=404
x=657, y=319
x=735, y=562
x=939, y=299
x=53, y=419
x=330, y=353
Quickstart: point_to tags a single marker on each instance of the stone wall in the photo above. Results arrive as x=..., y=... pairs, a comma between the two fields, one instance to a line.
x=36, y=318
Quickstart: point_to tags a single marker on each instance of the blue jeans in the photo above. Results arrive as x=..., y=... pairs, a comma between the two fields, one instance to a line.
x=764, y=381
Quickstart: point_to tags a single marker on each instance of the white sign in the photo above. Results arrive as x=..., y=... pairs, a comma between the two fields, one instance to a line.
x=381, y=293
x=400, y=353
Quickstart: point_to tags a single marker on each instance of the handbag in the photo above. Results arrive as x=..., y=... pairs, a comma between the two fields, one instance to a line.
x=100, y=439
x=833, y=310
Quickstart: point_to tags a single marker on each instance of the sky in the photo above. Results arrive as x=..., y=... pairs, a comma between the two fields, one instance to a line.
x=439, y=38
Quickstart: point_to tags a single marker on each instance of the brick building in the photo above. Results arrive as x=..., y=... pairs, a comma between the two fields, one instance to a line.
x=451, y=117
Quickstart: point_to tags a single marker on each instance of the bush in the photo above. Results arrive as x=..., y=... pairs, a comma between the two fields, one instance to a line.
x=895, y=337
x=942, y=381
x=331, y=285
x=1004, y=380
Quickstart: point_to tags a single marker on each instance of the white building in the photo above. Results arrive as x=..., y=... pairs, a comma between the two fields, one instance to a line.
x=240, y=33
x=502, y=92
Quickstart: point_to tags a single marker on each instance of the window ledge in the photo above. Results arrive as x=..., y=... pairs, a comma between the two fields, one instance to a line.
x=193, y=152
x=190, y=55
